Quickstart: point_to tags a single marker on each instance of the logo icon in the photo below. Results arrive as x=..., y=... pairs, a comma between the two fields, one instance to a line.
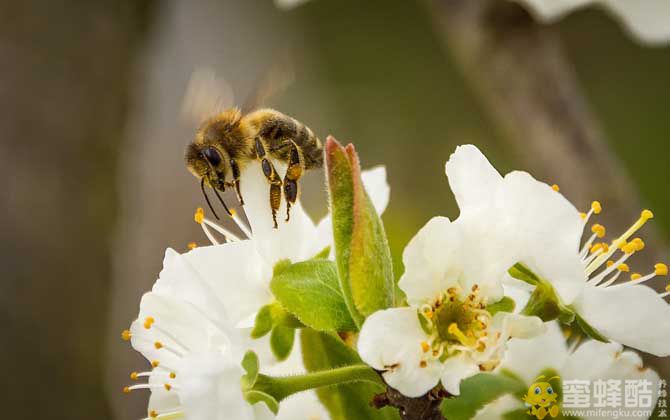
x=542, y=399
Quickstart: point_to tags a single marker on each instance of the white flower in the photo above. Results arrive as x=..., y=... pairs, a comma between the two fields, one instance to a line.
x=196, y=353
x=646, y=20
x=592, y=361
x=447, y=334
x=245, y=265
x=544, y=231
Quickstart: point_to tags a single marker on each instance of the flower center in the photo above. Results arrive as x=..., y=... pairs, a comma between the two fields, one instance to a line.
x=456, y=322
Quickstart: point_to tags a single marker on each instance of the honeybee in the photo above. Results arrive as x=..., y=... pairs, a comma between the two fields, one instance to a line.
x=225, y=143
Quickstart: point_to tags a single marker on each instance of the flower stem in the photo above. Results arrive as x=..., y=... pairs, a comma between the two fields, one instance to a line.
x=282, y=387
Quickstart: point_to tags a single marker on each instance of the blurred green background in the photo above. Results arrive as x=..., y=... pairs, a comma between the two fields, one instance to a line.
x=92, y=134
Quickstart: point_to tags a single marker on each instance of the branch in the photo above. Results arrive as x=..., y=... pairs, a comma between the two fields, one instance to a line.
x=525, y=82
x=422, y=408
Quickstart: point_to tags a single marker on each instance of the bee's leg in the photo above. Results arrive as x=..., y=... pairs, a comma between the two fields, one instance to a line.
x=236, y=180
x=294, y=172
x=273, y=179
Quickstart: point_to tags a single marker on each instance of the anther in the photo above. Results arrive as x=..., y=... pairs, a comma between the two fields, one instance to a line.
x=133, y=376
x=556, y=188
x=126, y=334
x=609, y=263
x=153, y=414
x=199, y=215
x=599, y=230
x=173, y=375
x=148, y=322
x=596, y=207
x=661, y=269
x=155, y=363
x=425, y=346
x=582, y=215
x=646, y=215
x=158, y=345
x=623, y=268
x=167, y=387
x=126, y=390
x=423, y=364
x=192, y=246
x=635, y=276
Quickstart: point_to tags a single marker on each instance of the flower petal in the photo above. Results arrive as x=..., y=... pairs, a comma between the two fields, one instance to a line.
x=527, y=357
x=546, y=231
x=632, y=315
x=294, y=239
x=647, y=20
x=552, y=10
x=390, y=341
x=455, y=369
x=236, y=274
x=432, y=261
x=377, y=187
x=472, y=178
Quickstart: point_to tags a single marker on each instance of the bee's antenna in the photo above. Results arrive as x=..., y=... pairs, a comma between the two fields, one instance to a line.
x=202, y=188
x=222, y=202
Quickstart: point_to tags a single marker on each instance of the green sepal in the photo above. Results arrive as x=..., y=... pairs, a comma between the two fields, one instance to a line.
x=250, y=380
x=476, y=392
x=310, y=291
x=589, y=330
x=362, y=252
x=281, y=341
x=324, y=253
x=506, y=304
x=270, y=316
x=520, y=272
x=426, y=325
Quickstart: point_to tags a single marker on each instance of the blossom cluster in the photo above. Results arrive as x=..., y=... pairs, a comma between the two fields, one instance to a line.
x=307, y=321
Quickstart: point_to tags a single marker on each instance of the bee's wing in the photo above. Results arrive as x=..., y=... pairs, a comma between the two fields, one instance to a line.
x=206, y=95
x=273, y=81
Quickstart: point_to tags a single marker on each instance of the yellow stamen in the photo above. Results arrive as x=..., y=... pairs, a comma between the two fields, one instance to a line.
x=192, y=245
x=635, y=276
x=133, y=376
x=456, y=332
x=158, y=345
x=623, y=267
x=556, y=188
x=596, y=247
x=582, y=215
x=661, y=269
x=599, y=230
x=167, y=387
x=609, y=263
x=425, y=346
x=126, y=390
x=199, y=215
x=173, y=375
x=596, y=207
x=153, y=414
x=629, y=248
x=423, y=364
x=155, y=363
x=646, y=215
x=148, y=322
x=429, y=314
x=125, y=335
x=639, y=244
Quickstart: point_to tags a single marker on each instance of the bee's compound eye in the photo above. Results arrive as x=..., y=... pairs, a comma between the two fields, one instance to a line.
x=538, y=391
x=212, y=155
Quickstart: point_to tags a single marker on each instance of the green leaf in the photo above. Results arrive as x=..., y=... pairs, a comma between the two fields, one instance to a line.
x=589, y=330
x=361, y=249
x=476, y=392
x=324, y=253
x=310, y=290
x=506, y=304
x=281, y=341
x=344, y=402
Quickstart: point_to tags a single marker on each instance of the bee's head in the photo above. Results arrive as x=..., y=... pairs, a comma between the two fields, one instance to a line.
x=209, y=162
x=207, y=157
